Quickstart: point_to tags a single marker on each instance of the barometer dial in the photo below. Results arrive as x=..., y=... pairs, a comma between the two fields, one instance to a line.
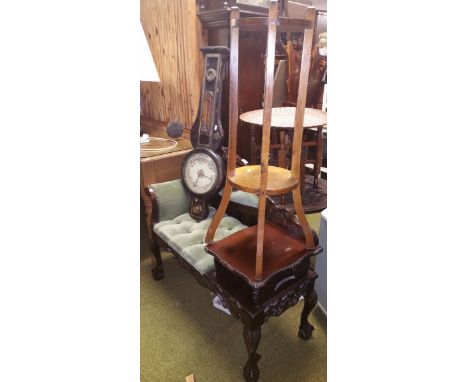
x=201, y=173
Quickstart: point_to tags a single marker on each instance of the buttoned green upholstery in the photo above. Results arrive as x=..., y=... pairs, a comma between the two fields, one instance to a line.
x=184, y=234
x=173, y=199
x=244, y=198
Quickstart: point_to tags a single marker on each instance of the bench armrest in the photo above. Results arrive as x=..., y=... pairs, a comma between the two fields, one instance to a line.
x=170, y=199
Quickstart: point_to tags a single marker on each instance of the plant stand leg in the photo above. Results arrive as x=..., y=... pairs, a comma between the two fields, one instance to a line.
x=297, y=202
x=252, y=339
x=219, y=213
x=310, y=300
x=158, y=270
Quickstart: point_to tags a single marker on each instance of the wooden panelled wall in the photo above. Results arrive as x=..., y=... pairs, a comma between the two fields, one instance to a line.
x=173, y=32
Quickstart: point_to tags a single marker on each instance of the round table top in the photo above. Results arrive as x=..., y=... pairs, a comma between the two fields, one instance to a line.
x=283, y=117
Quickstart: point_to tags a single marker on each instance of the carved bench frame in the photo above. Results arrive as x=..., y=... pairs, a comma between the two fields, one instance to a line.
x=252, y=319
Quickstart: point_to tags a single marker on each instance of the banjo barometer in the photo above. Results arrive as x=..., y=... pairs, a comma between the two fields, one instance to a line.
x=203, y=169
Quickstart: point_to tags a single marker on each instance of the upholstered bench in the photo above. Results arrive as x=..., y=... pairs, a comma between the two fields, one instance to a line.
x=175, y=229
x=187, y=237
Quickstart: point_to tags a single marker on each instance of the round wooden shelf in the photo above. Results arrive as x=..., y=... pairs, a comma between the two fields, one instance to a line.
x=280, y=180
x=283, y=117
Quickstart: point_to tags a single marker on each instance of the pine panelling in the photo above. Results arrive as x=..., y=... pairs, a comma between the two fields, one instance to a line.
x=174, y=35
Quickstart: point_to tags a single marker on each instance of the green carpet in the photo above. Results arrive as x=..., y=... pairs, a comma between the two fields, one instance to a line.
x=181, y=333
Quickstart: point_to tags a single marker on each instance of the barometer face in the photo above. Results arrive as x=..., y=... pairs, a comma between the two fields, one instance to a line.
x=201, y=173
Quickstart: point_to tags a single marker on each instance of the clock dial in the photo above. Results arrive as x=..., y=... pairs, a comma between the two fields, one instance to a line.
x=200, y=173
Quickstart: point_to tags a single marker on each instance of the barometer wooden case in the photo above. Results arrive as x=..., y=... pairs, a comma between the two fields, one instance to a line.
x=203, y=170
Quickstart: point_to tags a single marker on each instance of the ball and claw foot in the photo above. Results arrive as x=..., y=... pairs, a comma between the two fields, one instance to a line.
x=158, y=273
x=305, y=331
x=251, y=370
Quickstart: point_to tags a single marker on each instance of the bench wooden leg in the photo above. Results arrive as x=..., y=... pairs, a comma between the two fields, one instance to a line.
x=158, y=270
x=310, y=300
x=252, y=338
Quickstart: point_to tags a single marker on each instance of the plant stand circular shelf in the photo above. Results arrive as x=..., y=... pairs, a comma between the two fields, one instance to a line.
x=264, y=179
x=283, y=117
x=247, y=178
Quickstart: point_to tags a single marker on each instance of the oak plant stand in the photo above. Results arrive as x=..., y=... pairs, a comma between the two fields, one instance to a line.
x=263, y=179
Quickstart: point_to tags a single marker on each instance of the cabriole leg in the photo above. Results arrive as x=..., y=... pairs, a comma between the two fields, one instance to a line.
x=252, y=339
x=158, y=270
x=310, y=300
